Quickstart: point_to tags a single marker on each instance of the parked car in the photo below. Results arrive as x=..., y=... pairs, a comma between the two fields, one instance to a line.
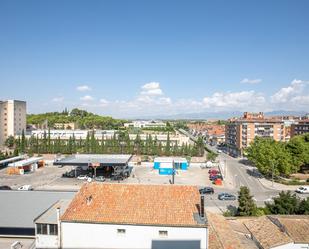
x=207, y=190
x=82, y=177
x=5, y=187
x=213, y=171
x=69, y=174
x=100, y=179
x=25, y=188
x=215, y=177
x=219, y=151
x=226, y=196
x=302, y=190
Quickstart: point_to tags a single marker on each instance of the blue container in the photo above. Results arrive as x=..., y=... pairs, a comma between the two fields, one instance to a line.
x=156, y=165
x=165, y=171
x=184, y=166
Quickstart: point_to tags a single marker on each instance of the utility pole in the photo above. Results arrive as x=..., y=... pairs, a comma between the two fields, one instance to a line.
x=173, y=175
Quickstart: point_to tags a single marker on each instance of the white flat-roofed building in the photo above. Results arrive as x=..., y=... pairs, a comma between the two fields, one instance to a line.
x=145, y=124
x=26, y=165
x=12, y=118
x=130, y=216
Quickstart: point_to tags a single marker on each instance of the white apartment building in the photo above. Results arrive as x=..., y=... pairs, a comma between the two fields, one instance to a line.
x=12, y=118
x=126, y=216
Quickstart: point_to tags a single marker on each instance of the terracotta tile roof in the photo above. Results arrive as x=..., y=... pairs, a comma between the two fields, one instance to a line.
x=296, y=226
x=221, y=235
x=266, y=233
x=167, y=205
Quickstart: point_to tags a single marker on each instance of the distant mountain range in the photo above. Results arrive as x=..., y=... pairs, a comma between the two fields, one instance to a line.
x=219, y=115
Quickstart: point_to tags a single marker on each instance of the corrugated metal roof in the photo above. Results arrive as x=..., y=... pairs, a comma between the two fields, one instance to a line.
x=25, y=162
x=85, y=159
x=11, y=159
x=19, y=208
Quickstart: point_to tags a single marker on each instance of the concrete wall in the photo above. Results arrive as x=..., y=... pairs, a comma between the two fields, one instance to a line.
x=83, y=235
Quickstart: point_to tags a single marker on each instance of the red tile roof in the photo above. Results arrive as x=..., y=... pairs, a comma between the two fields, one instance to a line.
x=167, y=205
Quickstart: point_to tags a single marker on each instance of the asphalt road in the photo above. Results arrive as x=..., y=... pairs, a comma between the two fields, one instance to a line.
x=246, y=175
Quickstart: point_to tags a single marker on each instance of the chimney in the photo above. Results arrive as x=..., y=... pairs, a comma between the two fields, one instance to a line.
x=59, y=228
x=202, y=211
x=89, y=200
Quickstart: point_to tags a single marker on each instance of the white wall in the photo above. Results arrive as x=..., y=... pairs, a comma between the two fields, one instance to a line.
x=292, y=246
x=46, y=241
x=83, y=235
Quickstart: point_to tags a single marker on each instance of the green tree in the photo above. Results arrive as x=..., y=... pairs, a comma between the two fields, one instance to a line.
x=270, y=157
x=304, y=207
x=10, y=142
x=285, y=203
x=168, y=145
x=211, y=156
x=246, y=204
x=23, y=142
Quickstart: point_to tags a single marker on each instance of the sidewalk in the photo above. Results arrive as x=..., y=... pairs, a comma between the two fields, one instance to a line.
x=277, y=186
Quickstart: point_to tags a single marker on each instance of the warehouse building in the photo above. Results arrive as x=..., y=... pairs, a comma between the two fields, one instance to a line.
x=25, y=166
x=166, y=165
x=127, y=216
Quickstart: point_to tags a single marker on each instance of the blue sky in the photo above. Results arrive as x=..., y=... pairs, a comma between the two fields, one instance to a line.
x=135, y=58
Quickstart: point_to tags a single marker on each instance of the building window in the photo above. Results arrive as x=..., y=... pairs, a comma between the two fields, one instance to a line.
x=163, y=233
x=41, y=228
x=121, y=231
x=53, y=229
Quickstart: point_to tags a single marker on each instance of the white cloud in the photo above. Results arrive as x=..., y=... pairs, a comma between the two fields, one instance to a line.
x=285, y=94
x=152, y=89
x=83, y=88
x=87, y=98
x=104, y=102
x=58, y=99
x=230, y=100
x=250, y=81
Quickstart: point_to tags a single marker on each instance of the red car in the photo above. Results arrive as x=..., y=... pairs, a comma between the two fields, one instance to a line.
x=213, y=171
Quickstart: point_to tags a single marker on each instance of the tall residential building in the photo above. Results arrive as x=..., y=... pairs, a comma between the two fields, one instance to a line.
x=12, y=118
x=300, y=128
x=240, y=132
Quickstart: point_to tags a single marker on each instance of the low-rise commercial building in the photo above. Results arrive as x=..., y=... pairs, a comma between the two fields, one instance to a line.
x=145, y=124
x=65, y=126
x=26, y=165
x=12, y=118
x=167, y=165
x=240, y=132
x=127, y=216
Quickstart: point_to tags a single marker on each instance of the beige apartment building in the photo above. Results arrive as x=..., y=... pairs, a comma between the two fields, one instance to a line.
x=240, y=132
x=12, y=118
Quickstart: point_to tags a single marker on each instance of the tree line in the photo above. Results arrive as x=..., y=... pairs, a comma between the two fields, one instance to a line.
x=120, y=143
x=279, y=158
x=83, y=119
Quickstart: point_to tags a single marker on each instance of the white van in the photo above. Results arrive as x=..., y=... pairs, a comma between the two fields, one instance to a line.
x=25, y=188
x=302, y=190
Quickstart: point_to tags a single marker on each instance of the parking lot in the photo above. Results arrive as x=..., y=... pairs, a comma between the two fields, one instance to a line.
x=50, y=178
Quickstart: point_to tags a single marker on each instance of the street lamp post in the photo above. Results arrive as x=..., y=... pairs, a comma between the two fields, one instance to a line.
x=173, y=175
